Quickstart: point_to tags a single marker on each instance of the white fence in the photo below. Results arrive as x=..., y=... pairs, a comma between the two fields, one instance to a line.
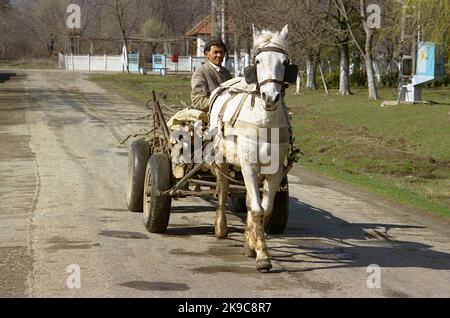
x=116, y=63
x=185, y=64
x=106, y=63
x=189, y=64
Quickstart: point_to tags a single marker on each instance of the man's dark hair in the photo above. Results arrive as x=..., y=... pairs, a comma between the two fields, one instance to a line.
x=215, y=42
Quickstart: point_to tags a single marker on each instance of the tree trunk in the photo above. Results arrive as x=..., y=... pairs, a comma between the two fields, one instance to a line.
x=344, y=83
x=311, y=70
x=120, y=16
x=126, y=52
x=372, y=85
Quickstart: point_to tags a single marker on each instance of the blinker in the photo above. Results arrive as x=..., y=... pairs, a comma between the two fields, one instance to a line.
x=250, y=75
x=290, y=74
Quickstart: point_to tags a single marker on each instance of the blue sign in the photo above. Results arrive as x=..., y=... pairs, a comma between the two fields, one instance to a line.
x=133, y=62
x=159, y=62
x=430, y=63
x=426, y=59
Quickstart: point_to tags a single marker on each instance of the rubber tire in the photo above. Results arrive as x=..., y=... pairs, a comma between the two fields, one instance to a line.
x=138, y=156
x=238, y=204
x=280, y=213
x=157, y=210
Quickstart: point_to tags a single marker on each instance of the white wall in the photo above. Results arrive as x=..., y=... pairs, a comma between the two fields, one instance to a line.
x=201, y=42
x=110, y=63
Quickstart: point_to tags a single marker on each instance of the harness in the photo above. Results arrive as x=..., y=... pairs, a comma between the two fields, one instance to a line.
x=252, y=90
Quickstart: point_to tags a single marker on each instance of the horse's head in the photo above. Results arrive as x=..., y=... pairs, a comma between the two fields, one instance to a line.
x=271, y=68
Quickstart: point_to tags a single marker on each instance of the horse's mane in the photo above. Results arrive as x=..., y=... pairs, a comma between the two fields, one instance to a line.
x=271, y=38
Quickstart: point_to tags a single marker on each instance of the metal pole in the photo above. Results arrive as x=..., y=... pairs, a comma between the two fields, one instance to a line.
x=224, y=28
x=224, y=21
x=214, y=30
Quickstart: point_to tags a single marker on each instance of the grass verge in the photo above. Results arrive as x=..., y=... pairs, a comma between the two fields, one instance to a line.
x=29, y=64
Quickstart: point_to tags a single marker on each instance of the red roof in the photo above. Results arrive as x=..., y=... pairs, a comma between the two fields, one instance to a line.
x=204, y=27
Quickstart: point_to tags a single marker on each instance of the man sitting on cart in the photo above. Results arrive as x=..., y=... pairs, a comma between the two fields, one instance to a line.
x=209, y=75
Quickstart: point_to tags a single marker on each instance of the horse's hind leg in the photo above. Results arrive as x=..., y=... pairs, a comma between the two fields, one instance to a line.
x=254, y=234
x=221, y=226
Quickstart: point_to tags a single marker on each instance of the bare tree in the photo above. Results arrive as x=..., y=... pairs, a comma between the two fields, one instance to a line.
x=338, y=27
x=366, y=50
x=129, y=16
x=308, y=33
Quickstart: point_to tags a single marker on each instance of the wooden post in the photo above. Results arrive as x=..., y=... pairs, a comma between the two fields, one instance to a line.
x=323, y=78
x=106, y=62
x=298, y=84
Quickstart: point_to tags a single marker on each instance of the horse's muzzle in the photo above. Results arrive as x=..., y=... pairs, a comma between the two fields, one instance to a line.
x=271, y=103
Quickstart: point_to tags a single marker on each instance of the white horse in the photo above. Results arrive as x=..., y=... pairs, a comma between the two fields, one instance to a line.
x=263, y=110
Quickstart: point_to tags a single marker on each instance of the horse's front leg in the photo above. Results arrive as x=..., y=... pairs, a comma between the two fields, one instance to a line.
x=221, y=226
x=272, y=185
x=254, y=233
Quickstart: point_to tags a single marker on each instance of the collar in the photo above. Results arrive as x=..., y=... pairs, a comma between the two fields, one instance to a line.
x=217, y=68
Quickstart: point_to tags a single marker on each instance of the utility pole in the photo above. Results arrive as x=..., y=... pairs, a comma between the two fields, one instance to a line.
x=224, y=21
x=214, y=24
x=224, y=28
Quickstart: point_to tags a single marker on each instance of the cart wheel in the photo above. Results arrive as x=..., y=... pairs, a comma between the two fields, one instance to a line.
x=238, y=204
x=157, y=207
x=137, y=162
x=280, y=213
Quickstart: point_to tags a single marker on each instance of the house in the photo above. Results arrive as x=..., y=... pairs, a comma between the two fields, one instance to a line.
x=200, y=33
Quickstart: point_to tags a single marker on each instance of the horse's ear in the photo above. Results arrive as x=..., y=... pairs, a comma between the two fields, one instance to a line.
x=256, y=32
x=285, y=32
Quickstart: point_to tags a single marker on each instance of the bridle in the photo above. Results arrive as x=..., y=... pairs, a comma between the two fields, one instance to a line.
x=267, y=81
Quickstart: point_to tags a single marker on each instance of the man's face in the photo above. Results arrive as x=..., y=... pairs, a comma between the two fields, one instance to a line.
x=215, y=55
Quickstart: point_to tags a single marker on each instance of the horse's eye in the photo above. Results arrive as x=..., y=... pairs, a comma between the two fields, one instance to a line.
x=257, y=62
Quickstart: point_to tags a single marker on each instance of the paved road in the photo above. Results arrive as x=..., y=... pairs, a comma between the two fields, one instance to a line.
x=62, y=202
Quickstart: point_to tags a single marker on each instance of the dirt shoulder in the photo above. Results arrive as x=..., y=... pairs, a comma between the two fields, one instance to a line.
x=18, y=186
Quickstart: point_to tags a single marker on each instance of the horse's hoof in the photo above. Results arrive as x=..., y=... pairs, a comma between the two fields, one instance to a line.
x=221, y=235
x=263, y=265
x=249, y=252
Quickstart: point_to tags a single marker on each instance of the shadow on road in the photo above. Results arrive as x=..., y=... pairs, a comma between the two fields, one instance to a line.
x=320, y=240
x=5, y=76
x=317, y=238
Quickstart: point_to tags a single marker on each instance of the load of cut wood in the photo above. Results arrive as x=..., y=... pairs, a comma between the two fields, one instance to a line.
x=184, y=125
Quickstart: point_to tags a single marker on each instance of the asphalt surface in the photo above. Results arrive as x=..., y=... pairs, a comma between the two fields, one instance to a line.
x=63, y=182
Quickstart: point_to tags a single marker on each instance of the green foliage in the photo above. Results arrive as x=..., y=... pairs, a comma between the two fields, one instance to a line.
x=433, y=19
x=332, y=79
x=390, y=80
x=358, y=79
